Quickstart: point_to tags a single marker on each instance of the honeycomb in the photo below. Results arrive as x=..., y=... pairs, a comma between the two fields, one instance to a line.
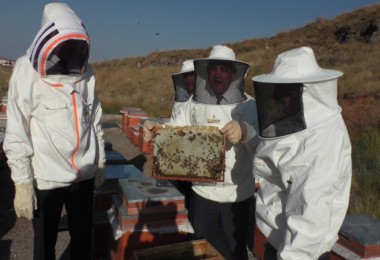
x=194, y=153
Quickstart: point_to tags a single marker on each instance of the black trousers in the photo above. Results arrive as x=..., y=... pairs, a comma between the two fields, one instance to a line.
x=223, y=225
x=78, y=200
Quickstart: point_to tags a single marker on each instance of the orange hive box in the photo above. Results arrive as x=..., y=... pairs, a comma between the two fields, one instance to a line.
x=135, y=135
x=124, y=120
x=361, y=235
x=133, y=118
x=147, y=147
x=148, y=213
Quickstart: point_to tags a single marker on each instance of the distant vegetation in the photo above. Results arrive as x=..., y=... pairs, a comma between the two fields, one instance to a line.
x=341, y=43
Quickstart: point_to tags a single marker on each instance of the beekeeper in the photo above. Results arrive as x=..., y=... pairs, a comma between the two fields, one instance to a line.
x=303, y=160
x=184, y=85
x=222, y=210
x=53, y=138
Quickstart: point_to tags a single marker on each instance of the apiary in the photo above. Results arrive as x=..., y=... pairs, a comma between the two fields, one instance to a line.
x=193, y=153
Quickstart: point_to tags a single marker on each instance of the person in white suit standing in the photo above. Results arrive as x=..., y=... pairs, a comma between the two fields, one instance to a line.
x=303, y=160
x=184, y=86
x=54, y=140
x=221, y=211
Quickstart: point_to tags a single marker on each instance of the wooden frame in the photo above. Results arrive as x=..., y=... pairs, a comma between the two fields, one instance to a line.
x=190, y=153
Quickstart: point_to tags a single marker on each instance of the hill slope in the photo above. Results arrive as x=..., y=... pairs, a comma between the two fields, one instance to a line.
x=126, y=82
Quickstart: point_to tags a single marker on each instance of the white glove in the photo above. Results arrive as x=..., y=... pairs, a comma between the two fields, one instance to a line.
x=25, y=200
x=100, y=175
x=148, y=130
x=234, y=131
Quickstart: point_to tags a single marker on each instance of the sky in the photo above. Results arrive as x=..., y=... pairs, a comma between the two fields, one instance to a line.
x=128, y=28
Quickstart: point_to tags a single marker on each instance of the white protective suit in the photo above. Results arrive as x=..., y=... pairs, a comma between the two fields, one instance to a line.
x=304, y=172
x=202, y=110
x=53, y=135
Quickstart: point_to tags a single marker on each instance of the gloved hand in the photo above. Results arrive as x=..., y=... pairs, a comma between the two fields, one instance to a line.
x=100, y=175
x=234, y=131
x=148, y=130
x=25, y=200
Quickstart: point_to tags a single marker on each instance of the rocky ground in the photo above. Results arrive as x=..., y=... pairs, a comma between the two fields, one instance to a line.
x=17, y=234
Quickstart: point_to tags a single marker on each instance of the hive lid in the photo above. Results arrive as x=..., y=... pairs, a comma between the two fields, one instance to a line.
x=148, y=189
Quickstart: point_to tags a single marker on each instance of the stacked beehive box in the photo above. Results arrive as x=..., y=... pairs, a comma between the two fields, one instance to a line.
x=116, y=168
x=133, y=119
x=125, y=111
x=359, y=238
x=148, y=213
x=144, y=146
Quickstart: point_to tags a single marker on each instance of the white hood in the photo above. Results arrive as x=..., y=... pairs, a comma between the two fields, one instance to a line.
x=59, y=24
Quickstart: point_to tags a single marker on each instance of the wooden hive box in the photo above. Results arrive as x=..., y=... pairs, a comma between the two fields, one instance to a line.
x=169, y=217
x=361, y=235
x=149, y=196
x=196, y=249
x=133, y=118
x=113, y=173
x=124, y=120
x=147, y=147
x=191, y=153
x=135, y=135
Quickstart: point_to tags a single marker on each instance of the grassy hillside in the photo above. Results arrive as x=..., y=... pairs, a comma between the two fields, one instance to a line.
x=146, y=82
x=151, y=74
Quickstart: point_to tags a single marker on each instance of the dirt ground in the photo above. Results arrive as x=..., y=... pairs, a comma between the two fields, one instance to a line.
x=17, y=233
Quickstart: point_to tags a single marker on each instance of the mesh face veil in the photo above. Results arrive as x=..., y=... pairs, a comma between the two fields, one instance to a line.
x=68, y=57
x=62, y=44
x=280, y=108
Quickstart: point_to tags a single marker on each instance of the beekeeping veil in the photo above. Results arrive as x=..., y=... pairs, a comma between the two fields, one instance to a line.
x=296, y=95
x=62, y=44
x=203, y=91
x=181, y=93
